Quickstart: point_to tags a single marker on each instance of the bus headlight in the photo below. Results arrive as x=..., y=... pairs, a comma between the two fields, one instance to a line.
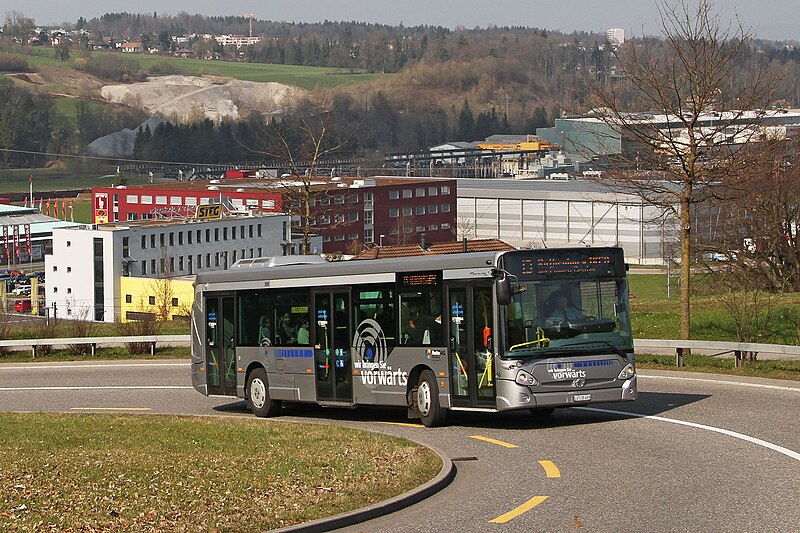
x=524, y=378
x=627, y=373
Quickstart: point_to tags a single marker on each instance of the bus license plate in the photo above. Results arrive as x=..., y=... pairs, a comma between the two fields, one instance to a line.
x=581, y=397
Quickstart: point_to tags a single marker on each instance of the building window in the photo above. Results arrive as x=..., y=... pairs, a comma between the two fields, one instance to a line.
x=268, y=204
x=433, y=209
x=407, y=211
x=174, y=302
x=69, y=269
x=433, y=227
x=144, y=242
x=326, y=238
x=225, y=233
x=368, y=217
x=216, y=234
x=151, y=300
x=445, y=208
x=69, y=290
x=128, y=298
x=131, y=216
x=144, y=268
x=189, y=237
x=251, y=231
x=208, y=235
x=132, y=198
x=420, y=192
x=338, y=199
x=161, y=239
x=199, y=236
x=394, y=212
x=147, y=200
x=152, y=266
x=172, y=238
x=69, y=243
x=394, y=195
x=446, y=225
x=420, y=229
x=369, y=236
x=55, y=290
x=420, y=209
x=353, y=236
x=407, y=193
x=191, y=200
x=340, y=237
x=339, y=218
x=352, y=217
x=325, y=200
x=258, y=230
x=175, y=200
x=445, y=189
x=161, y=200
x=153, y=240
x=433, y=191
x=180, y=237
x=55, y=268
x=394, y=231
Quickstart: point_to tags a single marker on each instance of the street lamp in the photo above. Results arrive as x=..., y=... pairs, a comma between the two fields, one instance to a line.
x=380, y=241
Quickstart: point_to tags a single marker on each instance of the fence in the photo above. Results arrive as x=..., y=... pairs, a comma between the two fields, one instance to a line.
x=94, y=342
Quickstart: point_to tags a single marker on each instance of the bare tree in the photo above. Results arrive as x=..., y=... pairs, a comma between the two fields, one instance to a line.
x=18, y=26
x=302, y=144
x=688, y=79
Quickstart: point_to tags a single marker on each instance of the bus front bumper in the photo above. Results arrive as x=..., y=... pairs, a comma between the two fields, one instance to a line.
x=520, y=397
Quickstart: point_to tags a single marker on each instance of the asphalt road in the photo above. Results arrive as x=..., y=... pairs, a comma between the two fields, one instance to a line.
x=694, y=453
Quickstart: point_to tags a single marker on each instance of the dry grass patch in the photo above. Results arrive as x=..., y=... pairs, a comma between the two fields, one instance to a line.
x=134, y=473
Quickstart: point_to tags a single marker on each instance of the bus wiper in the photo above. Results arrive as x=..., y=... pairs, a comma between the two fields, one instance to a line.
x=614, y=348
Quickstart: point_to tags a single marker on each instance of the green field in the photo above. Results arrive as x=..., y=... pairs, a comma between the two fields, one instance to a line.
x=308, y=78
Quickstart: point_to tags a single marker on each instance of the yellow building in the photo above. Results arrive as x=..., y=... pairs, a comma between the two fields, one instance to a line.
x=165, y=299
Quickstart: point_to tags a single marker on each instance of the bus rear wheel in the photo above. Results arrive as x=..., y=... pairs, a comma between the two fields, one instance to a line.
x=258, y=400
x=431, y=412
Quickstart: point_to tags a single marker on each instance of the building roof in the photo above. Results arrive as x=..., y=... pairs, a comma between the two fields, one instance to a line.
x=435, y=248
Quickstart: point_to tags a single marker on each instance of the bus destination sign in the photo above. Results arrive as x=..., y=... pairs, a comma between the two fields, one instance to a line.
x=414, y=279
x=546, y=263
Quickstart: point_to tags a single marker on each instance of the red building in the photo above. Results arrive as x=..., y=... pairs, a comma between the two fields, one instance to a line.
x=347, y=212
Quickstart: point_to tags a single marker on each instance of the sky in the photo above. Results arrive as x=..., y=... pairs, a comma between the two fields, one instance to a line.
x=769, y=19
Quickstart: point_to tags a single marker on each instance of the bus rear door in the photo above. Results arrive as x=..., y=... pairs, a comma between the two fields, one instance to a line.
x=471, y=334
x=220, y=350
x=332, y=340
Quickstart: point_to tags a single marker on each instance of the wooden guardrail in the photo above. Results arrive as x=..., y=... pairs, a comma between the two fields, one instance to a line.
x=94, y=342
x=738, y=349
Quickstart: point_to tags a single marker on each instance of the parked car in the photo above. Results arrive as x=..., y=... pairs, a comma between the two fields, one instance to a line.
x=22, y=305
x=22, y=290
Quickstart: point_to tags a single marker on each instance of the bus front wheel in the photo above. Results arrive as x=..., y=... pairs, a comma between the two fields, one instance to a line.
x=258, y=400
x=431, y=412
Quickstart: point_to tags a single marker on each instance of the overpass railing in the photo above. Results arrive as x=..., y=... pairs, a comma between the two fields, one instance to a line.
x=95, y=342
x=738, y=349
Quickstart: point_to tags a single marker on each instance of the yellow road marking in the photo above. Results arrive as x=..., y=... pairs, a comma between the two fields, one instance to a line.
x=493, y=441
x=407, y=424
x=550, y=468
x=110, y=408
x=524, y=508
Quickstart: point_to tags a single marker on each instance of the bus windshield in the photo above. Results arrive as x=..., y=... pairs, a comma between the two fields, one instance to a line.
x=567, y=316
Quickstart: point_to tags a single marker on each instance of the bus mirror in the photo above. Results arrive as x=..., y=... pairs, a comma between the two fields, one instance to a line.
x=503, y=284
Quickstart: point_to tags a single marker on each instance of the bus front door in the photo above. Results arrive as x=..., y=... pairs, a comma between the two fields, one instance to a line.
x=220, y=349
x=471, y=333
x=332, y=339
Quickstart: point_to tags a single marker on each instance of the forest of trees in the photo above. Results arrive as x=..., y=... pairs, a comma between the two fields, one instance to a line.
x=448, y=85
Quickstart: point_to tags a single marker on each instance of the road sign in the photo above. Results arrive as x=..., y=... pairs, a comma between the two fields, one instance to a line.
x=209, y=211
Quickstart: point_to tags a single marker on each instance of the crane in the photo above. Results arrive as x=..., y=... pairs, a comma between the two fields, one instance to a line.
x=251, y=22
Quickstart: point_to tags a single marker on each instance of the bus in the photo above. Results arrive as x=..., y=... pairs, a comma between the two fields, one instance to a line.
x=479, y=331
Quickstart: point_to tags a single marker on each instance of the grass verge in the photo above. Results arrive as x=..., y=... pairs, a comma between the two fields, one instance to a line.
x=703, y=363
x=133, y=473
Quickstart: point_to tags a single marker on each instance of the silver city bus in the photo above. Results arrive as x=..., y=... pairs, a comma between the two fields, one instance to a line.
x=489, y=331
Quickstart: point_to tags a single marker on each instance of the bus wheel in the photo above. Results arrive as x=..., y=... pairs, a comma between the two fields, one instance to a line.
x=431, y=413
x=258, y=400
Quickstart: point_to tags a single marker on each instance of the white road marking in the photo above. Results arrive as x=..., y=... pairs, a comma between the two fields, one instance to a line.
x=34, y=366
x=111, y=387
x=774, y=447
x=724, y=382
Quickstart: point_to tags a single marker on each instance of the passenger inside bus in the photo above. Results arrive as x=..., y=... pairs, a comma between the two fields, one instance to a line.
x=421, y=329
x=303, y=336
x=287, y=330
x=264, y=331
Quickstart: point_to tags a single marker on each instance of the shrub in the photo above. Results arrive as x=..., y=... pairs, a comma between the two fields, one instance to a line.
x=13, y=64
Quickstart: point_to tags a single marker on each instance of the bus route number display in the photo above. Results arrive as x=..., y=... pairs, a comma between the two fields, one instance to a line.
x=555, y=262
x=416, y=279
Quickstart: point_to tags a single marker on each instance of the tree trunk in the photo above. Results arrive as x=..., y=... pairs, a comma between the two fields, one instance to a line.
x=686, y=265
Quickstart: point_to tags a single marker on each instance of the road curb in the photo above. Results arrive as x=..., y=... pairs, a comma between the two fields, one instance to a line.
x=443, y=479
